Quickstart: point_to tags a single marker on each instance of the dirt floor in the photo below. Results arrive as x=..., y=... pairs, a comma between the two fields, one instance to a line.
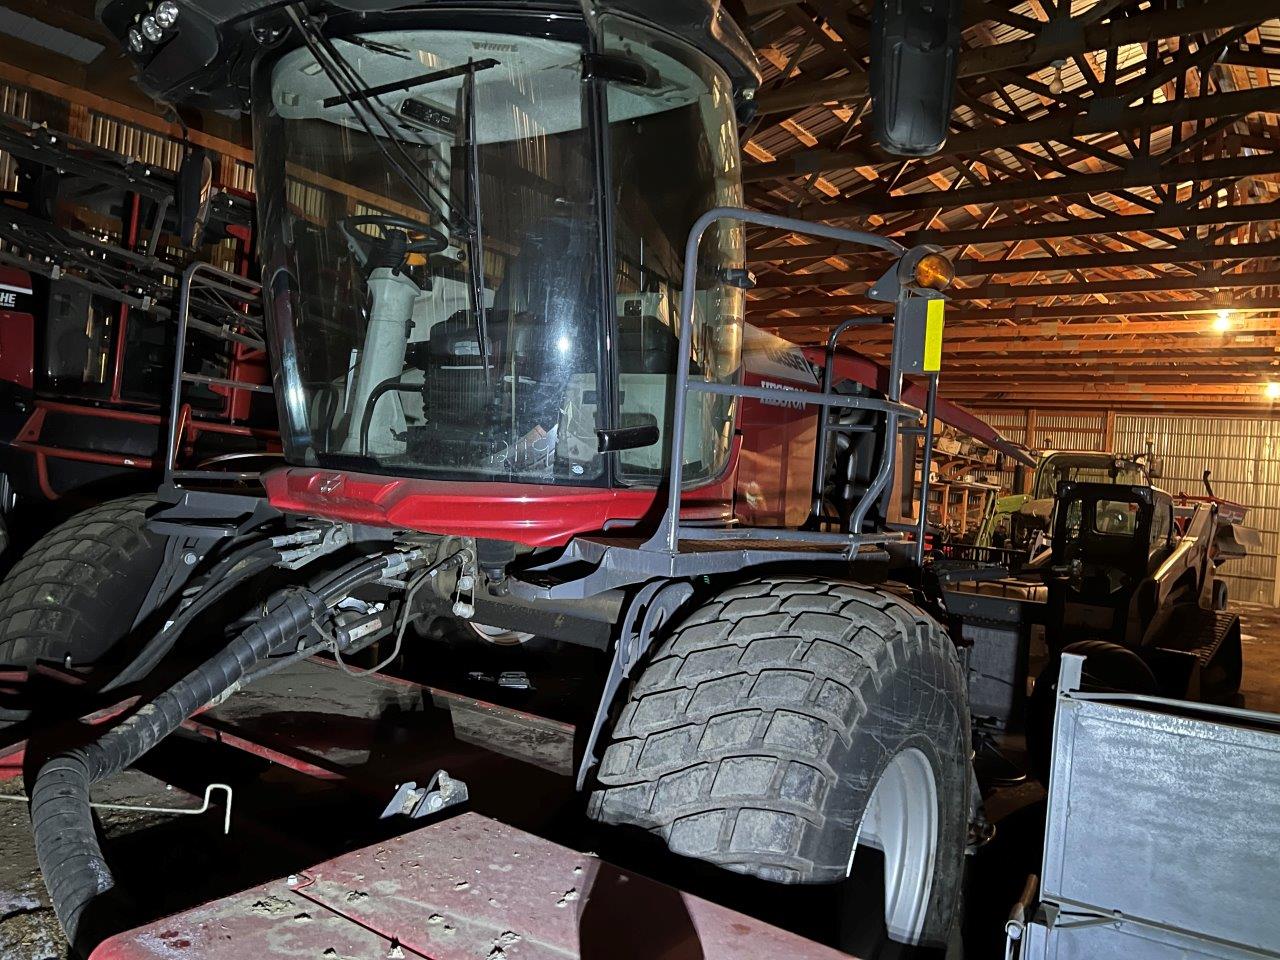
x=284, y=821
x=1260, y=635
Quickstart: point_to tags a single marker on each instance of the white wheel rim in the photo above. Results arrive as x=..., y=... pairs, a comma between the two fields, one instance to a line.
x=901, y=820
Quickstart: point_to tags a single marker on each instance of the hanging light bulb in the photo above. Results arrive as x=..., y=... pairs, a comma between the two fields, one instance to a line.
x=1273, y=391
x=1056, y=86
x=1222, y=322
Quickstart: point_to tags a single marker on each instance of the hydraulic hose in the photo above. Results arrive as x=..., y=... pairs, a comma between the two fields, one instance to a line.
x=223, y=577
x=75, y=872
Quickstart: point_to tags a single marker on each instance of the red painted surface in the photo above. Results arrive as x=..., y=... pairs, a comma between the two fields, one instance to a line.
x=537, y=515
x=17, y=328
x=459, y=889
x=775, y=474
x=29, y=438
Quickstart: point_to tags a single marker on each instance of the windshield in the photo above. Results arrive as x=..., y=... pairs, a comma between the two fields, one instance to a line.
x=1097, y=468
x=435, y=266
x=655, y=202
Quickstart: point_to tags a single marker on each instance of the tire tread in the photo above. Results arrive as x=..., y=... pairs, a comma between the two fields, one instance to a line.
x=41, y=599
x=725, y=747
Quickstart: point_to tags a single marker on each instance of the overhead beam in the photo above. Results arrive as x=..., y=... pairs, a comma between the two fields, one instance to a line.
x=1031, y=389
x=1071, y=38
x=1209, y=281
x=1227, y=410
x=1037, y=348
x=1102, y=115
x=1037, y=311
x=1246, y=323
x=1138, y=173
x=1191, y=252
x=1169, y=216
x=1103, y=365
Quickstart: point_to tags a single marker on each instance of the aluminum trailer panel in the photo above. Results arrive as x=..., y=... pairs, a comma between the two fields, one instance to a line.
x=1163, y=833
x=464, y=888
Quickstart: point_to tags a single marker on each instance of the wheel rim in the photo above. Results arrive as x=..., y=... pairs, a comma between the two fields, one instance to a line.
x=901, y=820
x=499, y=635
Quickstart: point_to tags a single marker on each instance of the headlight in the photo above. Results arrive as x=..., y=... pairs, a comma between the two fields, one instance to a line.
x=151, y=30
x=136, y=43
x=166, y=14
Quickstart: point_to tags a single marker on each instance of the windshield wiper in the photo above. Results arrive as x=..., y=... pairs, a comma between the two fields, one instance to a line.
x=475, y=235
x=346, y=79
x=391, y=50
x=395, y=86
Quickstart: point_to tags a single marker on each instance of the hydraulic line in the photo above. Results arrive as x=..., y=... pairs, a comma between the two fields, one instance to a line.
x=223, y=577
x=79, y=881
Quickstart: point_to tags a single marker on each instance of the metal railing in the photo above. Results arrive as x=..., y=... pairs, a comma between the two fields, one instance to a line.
x=670, y=530
x=226, y=301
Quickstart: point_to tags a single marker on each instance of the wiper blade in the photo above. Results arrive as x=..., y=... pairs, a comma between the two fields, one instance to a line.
x=343, y=76
x=475, y=236
x=396, y=86
x=374, y=46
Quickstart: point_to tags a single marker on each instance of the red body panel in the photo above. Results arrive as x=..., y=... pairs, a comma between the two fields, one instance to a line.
x=537, y=515
x=17, y=328
x=463, y=888
x=775, y=474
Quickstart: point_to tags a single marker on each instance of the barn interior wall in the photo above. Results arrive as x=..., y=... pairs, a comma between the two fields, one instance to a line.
x=1242, y=455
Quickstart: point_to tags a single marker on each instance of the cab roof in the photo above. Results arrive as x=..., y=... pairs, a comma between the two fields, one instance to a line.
x=204, y=59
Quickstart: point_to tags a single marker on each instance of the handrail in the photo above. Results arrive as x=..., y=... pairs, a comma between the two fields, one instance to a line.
x=667, y=537
x=227, y=284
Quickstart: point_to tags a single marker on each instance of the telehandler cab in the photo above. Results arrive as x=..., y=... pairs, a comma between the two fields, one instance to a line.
x=503, y=272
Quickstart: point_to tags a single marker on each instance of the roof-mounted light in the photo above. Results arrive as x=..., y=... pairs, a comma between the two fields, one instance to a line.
x=151, y=29
x=933, y=271
x=166, y=13
x=136, y=43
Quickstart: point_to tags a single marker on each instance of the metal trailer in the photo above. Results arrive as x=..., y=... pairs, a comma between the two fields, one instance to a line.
x=1163, y=833
x=465, y=886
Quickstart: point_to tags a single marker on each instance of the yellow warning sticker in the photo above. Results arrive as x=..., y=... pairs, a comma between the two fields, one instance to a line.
x=933, y=336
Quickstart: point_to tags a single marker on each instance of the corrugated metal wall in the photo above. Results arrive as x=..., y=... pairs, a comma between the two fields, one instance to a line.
x=129, y=140
x=1243, y=457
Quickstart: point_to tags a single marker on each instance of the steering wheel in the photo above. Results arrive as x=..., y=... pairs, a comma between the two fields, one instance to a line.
x=366, y=247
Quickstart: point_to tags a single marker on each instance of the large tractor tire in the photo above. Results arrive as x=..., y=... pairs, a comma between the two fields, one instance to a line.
x=1108, y=668
x=788, y=720
x=75, y=594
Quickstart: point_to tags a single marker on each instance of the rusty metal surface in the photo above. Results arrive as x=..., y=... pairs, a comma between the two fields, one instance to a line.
x=467, y=888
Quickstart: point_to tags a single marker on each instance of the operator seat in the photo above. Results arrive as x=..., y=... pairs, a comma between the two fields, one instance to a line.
x=646, y=345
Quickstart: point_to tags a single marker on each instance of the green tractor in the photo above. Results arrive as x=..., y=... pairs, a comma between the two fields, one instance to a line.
x=1013, y=521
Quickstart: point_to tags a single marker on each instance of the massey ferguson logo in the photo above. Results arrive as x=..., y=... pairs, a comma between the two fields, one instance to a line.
x=8, y=299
